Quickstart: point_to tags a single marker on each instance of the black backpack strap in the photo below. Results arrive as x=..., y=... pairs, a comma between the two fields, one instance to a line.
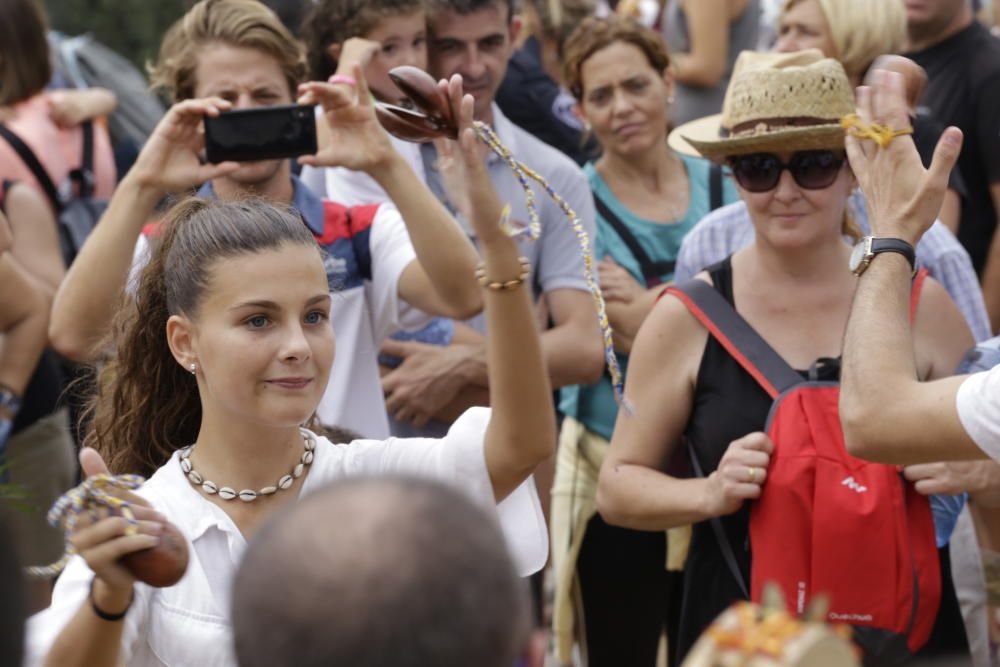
x=651, y=270
x=737, y=336
x=720, y=533
x=84, y=176
x=31, y=162
x=714, y=187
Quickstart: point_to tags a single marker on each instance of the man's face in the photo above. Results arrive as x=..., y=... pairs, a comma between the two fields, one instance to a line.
x=477, y=46
x=926, y=18
x=248, y=78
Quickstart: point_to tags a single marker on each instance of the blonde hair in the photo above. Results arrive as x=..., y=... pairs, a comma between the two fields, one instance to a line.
x=862, y=30
x=240, y=23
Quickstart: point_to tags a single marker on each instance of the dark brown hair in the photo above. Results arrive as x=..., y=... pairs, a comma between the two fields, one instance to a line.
x=147, y=405
x=246, y=24
x=336, y=21
x=595, y=34
x=25, y=68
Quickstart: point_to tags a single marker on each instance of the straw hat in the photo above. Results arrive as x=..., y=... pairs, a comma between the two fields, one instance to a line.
x=775, y=102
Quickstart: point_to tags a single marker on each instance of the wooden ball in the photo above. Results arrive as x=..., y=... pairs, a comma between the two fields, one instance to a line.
x=162, y=565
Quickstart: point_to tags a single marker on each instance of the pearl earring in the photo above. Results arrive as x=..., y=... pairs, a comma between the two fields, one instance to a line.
x=193, y=368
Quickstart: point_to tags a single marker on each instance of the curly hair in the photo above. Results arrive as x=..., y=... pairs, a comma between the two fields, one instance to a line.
x=146, y=404
x=335, y=21
x=595, y=34
x=239, y=23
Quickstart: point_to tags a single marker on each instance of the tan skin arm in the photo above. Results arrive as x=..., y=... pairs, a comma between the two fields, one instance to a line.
x=632, y=491
x=69, y=108
x=439, y=282
x=705, y=64
x=169, y=162
x=887, y=413
x=991, y=272
x=24, y=316
x=37, y=249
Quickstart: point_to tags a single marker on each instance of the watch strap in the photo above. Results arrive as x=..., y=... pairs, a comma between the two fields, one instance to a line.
x=880, y=245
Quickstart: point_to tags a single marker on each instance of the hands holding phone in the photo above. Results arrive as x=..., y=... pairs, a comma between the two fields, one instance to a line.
x=171, y=159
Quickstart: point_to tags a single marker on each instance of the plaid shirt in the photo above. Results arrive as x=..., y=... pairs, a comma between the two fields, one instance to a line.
x=728, y=229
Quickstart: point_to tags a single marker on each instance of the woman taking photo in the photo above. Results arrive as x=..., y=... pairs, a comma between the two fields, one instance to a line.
x=224, y=356
x=648, y=197
x=783, y=141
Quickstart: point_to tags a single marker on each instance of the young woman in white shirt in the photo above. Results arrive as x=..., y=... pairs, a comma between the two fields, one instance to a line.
x=228, y=350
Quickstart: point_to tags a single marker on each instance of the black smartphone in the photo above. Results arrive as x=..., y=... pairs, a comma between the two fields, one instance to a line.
x=267, y=133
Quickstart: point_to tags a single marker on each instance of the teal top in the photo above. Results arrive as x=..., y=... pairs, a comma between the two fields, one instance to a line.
x=594, y=405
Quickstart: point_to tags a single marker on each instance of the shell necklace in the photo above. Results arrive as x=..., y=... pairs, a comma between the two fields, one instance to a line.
x=249, y=495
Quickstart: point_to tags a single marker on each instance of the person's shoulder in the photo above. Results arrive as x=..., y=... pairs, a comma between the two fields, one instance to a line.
x=938, y=242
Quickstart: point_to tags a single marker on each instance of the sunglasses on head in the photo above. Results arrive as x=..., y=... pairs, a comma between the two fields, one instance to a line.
x=812, y=170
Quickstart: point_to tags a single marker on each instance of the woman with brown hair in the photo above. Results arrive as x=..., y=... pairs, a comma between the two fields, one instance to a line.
x=223, y=357
x=648, y=197
x=49, y=122
x=781, y=135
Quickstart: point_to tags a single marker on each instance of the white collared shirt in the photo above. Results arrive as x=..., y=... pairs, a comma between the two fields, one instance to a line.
x=188, y=624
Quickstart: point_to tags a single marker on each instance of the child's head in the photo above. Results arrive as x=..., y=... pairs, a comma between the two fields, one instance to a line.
x=398, y=25
x=230, y=320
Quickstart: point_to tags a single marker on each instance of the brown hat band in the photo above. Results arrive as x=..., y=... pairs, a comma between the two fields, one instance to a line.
x=763, y=125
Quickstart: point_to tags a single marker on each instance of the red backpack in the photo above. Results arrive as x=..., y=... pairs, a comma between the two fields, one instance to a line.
x=826, y=522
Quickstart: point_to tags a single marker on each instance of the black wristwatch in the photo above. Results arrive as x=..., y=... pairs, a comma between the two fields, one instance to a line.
x=869, y=246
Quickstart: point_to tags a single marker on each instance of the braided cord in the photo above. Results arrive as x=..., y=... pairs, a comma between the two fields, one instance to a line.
x=93, y=493
x=534, y=230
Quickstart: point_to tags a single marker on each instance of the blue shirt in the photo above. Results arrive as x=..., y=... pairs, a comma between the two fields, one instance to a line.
x=594, y=405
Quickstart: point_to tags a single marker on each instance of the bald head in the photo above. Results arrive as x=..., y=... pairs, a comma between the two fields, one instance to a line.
x=380, y=572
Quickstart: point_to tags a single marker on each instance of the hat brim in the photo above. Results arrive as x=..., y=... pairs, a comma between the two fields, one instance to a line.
x=701, y=139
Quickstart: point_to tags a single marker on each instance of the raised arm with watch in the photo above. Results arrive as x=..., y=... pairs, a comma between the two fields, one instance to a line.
x=888, y=415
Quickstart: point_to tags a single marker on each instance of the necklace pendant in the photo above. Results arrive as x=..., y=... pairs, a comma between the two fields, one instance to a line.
x=248, y=495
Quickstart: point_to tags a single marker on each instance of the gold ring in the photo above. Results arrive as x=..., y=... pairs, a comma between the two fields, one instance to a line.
x=752, y=473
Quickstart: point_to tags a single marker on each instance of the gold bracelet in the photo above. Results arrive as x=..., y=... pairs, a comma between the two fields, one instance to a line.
x=503, y=285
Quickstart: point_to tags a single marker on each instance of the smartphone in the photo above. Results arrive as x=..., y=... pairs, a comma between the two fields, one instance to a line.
x=267, y=133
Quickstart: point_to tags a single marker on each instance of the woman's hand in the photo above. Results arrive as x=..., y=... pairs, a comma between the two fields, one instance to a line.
x=903, y=198
x=617, y=284
x=741, y=473
x=171, y=159
x=356, y=138
x=101, y=541
x=462, y=165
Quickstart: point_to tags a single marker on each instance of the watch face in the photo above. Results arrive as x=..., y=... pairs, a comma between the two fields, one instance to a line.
x=858, y=255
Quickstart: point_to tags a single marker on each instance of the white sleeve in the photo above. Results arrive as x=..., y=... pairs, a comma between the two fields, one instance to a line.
x=391, y=252
x=70, y=593
x=978, y=404
x=459, y=460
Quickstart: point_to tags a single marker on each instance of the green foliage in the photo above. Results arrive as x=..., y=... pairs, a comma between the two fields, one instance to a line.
x=133, y=28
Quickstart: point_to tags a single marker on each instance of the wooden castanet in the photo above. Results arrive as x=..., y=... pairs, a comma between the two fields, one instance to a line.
x=431, y=116
x=162, y=565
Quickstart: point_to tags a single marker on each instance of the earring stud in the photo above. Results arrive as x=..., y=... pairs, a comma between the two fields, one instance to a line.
x=193, y=368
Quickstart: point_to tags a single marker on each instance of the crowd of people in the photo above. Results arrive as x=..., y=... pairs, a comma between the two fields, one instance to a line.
x=386, y=421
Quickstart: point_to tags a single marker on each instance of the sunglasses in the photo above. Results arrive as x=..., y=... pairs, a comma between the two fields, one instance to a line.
x=812, y=170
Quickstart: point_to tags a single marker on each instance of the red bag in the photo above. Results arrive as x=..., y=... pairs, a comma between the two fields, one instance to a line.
x=826, y=522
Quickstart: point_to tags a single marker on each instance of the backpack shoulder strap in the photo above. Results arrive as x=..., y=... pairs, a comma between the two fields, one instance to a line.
x=720, y=533
x=918, y=286
x=31, y=162
x=737, y=336
x=85, y=174
x=651, y=271
x=714, y=187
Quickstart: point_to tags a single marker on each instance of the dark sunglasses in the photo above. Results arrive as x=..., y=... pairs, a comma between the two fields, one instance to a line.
x=812, y=170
